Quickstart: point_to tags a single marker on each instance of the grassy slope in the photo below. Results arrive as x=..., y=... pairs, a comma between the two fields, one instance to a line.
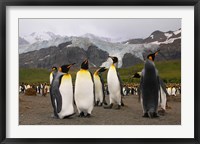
x=169, y=71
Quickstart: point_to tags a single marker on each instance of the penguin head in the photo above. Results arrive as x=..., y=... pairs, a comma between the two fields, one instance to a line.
x=54, y=68
x=84, y=64
x=100, y=70
x=152, y=56
x=65, y=68
x=114, y=59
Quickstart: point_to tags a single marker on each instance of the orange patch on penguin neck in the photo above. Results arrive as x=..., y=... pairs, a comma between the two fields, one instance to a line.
x=96, y=73
x=60, y=69
x=150, y=58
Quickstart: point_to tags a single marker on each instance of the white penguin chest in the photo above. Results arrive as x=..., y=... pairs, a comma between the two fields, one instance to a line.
x=98, y=87
x=97, y=82
x=66, y=91
x=112, y=79
x=84, y=85
x=66, y=87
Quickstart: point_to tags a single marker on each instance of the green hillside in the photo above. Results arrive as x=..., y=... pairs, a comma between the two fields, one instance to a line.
x=169, y=71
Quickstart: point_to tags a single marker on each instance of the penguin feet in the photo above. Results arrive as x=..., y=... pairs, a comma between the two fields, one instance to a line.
x=145, y=115
x=118, y=107
x=69, y=116
x=152, y=115
x=88, y=115
x=97, y=103
x=109, y=106
x=105, y=103
x=122, y=104
x=81, y=114
x=55, y=116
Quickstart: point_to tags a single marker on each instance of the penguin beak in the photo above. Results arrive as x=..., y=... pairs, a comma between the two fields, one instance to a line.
x=84, y=65
x=86, y=61
x=71, y=65
x=156, y=53
x=110, y=57
x=102, y=69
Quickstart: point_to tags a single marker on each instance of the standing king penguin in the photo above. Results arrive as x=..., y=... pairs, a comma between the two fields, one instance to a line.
x=54, y=70
x=99, y=87
x=150, y=87
x=114, y=85
x=84, y=91
x=162, y=99
x=61, y=92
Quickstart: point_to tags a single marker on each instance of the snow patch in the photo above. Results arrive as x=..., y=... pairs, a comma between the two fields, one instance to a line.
x=177, y=32
x=168, y=35
x=168, y=41
x=44, y=58
x=127, y=43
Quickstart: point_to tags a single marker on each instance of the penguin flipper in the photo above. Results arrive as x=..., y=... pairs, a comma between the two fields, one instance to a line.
x=121, y=83
x=58, y=99
x=162, y=84
x=159, y=88
x=140, y=87
x=121, y=86
x=103, y=89
x=52, y=96
x=93, y=86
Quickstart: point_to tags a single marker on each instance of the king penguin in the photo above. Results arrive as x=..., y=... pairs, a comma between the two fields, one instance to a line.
x=52, y=74
x=150, y=87
x=99, y=87
x=84, y=91
x=114, y=85
x=162, y=99
x=61, y=92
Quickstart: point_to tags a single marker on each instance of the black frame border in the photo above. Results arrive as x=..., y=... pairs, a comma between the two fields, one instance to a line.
x=4, y=3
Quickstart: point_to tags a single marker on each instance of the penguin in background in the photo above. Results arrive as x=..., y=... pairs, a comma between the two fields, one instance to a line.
x=150, y=87
x=162, y=93
x=99, y=87
x=61, y=93
x=54, y=70
x=84, y=91
x=114, y=85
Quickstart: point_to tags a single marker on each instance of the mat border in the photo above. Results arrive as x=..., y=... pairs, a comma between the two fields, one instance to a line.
x=5, y=3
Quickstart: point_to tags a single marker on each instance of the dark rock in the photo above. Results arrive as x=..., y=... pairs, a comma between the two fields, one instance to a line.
x=57, y=56
x=134, y=41
x=130, y=60
x=96, y=56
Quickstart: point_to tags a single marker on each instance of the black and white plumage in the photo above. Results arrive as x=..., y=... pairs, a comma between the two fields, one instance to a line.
x=84, y=91
x=54, y=70
x=99, y=87
x=61, y=93
x=114, y=85
x=162, y=100
x=150, y=87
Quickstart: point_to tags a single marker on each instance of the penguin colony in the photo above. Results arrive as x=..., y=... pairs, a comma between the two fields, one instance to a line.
x=89, y=89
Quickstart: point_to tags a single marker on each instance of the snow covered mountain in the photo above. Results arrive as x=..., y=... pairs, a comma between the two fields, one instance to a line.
x=113, y=49
x=158, y=37
x=37, y=41
x=96, y=48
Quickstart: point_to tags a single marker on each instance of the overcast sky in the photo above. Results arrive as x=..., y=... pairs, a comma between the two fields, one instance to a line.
x=112, y=28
